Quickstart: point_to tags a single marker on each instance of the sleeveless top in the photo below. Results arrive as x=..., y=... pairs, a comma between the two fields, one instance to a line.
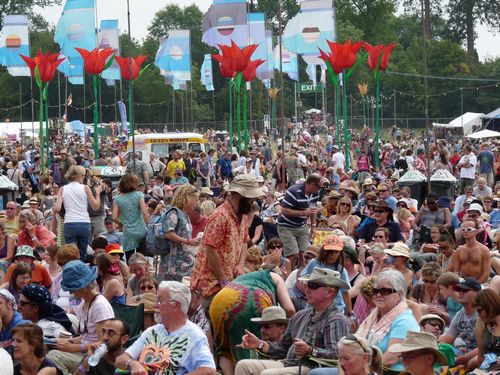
x=3, y=250
x=75, y=203
x=429, y=218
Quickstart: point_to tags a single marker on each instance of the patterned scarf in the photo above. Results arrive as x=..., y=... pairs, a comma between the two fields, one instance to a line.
x=375, y=330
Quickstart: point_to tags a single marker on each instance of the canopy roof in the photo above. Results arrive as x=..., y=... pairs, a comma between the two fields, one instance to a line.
x=466, y=121
x=443, y=175
x=412, y=175
x=486, y=133
x=493, y=114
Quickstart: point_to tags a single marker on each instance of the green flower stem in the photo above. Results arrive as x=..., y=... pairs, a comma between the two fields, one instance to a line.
x=245, y=124
x=337, y=111
x=230, y=115
x=96, y=116
x=130, y=107
x=46, y=115
x=238, y=109
x=346, y=133
x=40, y=119
x=377, y=120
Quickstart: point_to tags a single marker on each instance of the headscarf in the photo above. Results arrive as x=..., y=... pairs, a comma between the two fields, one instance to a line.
x=6, y=295
x=48, y=310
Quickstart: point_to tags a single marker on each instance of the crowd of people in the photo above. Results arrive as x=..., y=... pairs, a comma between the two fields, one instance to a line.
x=286, y=258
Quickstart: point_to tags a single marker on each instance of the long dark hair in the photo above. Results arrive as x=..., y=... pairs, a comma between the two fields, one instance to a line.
x=323, y=254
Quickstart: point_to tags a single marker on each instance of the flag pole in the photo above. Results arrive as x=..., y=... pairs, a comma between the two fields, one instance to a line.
x=131, y=90
x=21, y=112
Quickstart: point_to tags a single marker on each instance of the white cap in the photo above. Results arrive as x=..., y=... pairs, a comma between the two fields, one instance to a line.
x=475, y=207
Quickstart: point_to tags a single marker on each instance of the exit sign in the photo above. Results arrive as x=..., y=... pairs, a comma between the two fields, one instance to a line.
x=309, y=87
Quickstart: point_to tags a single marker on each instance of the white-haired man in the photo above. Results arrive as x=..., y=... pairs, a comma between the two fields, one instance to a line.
x=176, y=345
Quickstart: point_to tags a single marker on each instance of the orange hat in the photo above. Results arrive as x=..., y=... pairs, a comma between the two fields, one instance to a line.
x=114, y=248
x=333, y=242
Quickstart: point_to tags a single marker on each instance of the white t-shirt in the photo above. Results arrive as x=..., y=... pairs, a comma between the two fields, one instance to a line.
x=50, y=328
x=468, y=172
x=338, y=160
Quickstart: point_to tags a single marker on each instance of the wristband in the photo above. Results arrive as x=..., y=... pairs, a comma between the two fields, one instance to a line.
x=127, y=364
x=82, y=348
x=82, y=369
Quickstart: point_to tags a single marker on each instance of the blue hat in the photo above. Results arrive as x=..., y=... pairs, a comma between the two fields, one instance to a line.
x=77, y=275
x=444, y=202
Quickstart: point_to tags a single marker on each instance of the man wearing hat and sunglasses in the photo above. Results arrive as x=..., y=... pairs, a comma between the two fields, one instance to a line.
x=223, y=249
x=314, y=331
x=383, y=218
x=273, y=323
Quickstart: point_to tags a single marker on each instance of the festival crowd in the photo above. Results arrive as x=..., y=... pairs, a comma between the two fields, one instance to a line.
x=281, y=258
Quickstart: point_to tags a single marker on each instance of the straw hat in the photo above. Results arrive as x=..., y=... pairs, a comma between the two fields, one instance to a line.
x=272, y=314
x=368, y=181
x=206, y=191
x=246, y=185
x=326, y=277
x=399, y=250
x=418, y=341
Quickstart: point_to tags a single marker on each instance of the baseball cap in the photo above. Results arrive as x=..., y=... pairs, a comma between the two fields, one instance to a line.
x=333, y=242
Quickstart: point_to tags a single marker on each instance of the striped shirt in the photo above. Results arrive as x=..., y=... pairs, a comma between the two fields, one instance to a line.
x=321, y=331
x=296, y=199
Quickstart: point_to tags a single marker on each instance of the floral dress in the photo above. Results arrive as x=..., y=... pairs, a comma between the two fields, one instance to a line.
x=179, y=262
x=134, y=226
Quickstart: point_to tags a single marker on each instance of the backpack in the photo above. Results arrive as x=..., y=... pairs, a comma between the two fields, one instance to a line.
x=156, y=243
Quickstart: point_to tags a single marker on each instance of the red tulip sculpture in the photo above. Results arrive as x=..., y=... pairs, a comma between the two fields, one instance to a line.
x=43, y=68
x=236, y=65
x=130, y=68
x=378, y=60
x=94, y=63
x=341, y=59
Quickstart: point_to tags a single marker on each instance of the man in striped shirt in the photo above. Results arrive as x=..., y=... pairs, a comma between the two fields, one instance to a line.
x=312, y=332
x=299, y=204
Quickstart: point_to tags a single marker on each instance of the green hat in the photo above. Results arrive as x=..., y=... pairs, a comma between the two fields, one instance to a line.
x=24, y=251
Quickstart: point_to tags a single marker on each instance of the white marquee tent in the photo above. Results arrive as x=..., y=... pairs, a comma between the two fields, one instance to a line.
x=467, y=122
x=486, y=133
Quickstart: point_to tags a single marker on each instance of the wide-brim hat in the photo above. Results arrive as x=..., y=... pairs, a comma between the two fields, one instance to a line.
x=347, y=187
x=147, y=299
x=272, y=314
x=419, y=341
x=24, y=250
x=368, y=181
x=26, y=204
x=383, y=205
x=351, y=254
x=405, y=201
x=33, y=200
x=428, y=317
x=334, y=194
x=326, y=277
x=399, y=250
x=246, y=185
x=77, y=275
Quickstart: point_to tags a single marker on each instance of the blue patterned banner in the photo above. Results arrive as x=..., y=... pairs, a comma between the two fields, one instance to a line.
x=108, y=37
x=174, y=55
x=13, y=42
x=206, y=75
x=224, y=21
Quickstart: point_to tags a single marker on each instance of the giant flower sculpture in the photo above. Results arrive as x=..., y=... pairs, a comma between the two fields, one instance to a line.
x=378, y=60
x=94, y=63
x=130, y=68
x=42, y=68
x=235, y=64
x=342, y=58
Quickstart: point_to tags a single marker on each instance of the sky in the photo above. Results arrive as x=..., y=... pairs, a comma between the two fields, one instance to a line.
x=141, y=15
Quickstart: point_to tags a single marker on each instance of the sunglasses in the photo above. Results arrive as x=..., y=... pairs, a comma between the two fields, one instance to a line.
x=379, y=211
x=468, y=229
x=355, y=339
x=383, y=191
x=434, y=323
x=276, y=247
x=378, y=236
x=147, y=287
x=10, y=208
x=383, y=291
x=430, y=281
x=401, y=205
x=314, y=286
x=456, y=288
x=24, y=303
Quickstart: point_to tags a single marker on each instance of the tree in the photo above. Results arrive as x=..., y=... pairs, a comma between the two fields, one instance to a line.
x=414, y=7
x=466, y=14
x=289, y=8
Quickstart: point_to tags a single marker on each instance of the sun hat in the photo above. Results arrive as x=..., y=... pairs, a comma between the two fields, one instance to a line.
x=8, y=297
x=418, y=341
x=470, y=283
x=377, y=248
x=76, y=275
x=335, y=146
x=114, y=248
x=368, y=181
x=24, y=250
x=326, y=277
x=347, y=187
x=33, y=200
x=405, y=201
x=26, y=204
x=399, y=250
x=313, y=250
x=427, y=317
x=246, y=185
x=334, y=194
x=272, y=314
x=383, y=205
x=475, y=207
x=333, y=242
x=48, y=310
x=206, y=191
x=147, y=299
x=350, y=252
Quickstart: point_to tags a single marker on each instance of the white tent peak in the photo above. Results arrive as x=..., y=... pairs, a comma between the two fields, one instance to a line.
x=485, y=133
x=467, y=121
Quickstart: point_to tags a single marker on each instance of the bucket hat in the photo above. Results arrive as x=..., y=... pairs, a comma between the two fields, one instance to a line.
x=24, y=250
x=326, y=277
x=272, y=314
x=351, y=254
x=77, y=275
x=418, y=341
x=399, y=250
x=246, y=185
x=114, y=248
x=428, y=317
x=368, y=181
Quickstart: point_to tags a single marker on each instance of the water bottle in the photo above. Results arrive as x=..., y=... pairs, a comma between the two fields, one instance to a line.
x=98, y=354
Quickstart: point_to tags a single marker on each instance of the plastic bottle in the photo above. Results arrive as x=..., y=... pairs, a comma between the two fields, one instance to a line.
x=98, y=354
